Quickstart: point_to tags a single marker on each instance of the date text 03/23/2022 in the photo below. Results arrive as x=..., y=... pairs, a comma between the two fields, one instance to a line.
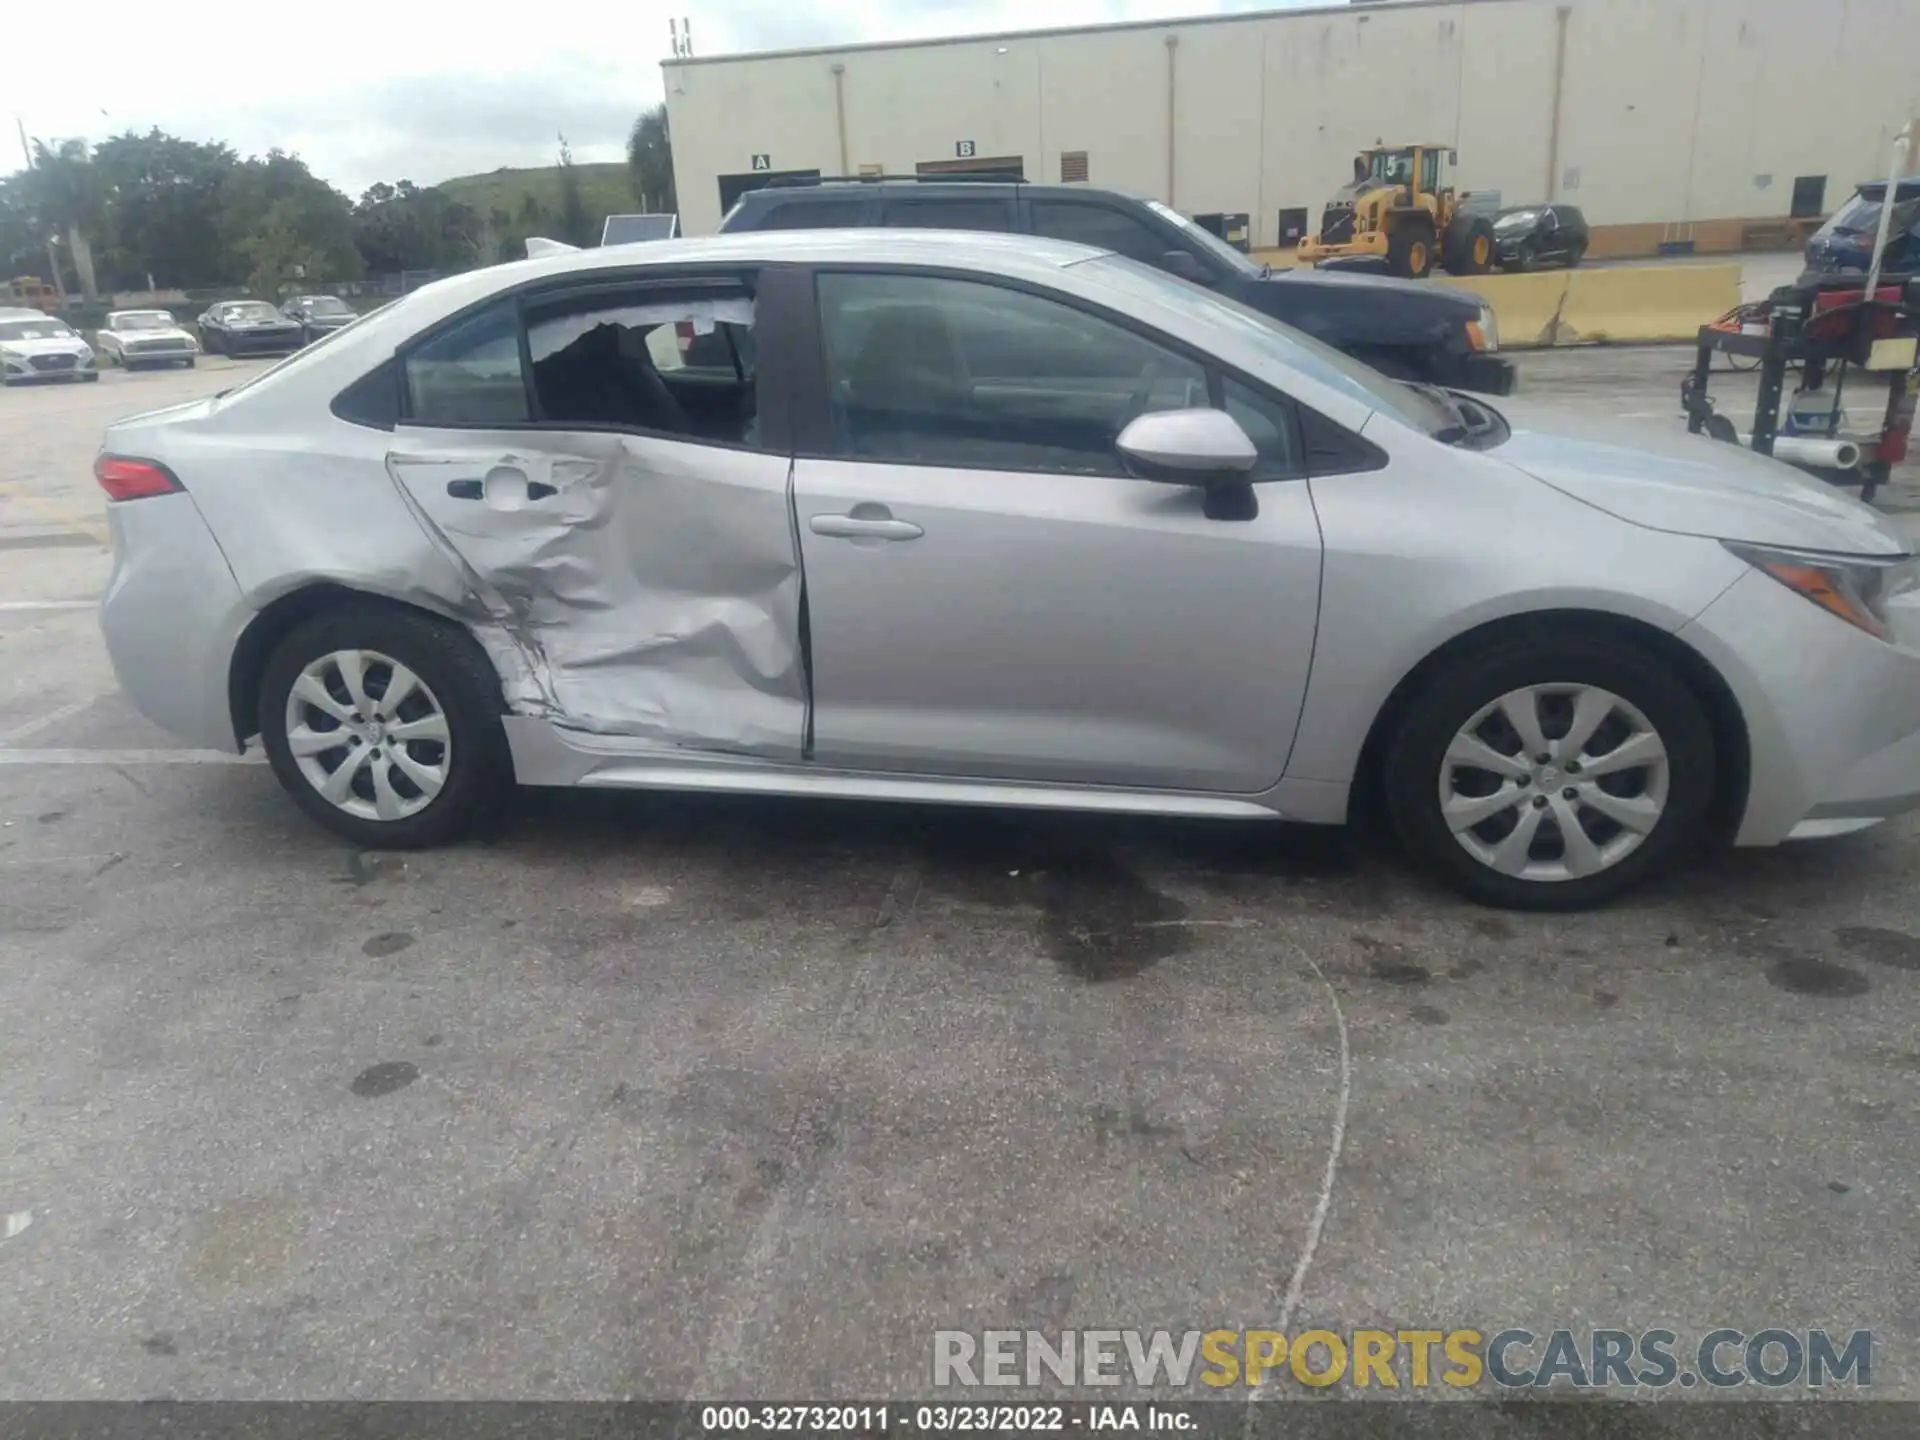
x=944, y=1419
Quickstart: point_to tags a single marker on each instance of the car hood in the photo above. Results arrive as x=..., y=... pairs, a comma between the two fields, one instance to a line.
x=1402, y=292
x=1361, y=309
x=54, y=345
x=173, y=332
x=1665, y=479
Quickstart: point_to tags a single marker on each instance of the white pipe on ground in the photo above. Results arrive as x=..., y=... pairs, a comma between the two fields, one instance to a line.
x=1811, y=450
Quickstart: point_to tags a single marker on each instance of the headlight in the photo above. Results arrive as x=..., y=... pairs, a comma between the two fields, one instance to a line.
x=1484, y=333
x=1857, y=588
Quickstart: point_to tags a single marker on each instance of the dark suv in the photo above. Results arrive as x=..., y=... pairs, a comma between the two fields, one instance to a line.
x=1409, y=329
x=1530, y=236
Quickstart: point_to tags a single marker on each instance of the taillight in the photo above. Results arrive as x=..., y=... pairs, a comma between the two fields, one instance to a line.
x=125, y=479
x=683, y=332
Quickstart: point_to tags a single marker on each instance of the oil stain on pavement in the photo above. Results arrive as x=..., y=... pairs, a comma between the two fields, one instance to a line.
x=384, y=1078
x=1881, y=947
x=1102, y=922
x=1807, y=975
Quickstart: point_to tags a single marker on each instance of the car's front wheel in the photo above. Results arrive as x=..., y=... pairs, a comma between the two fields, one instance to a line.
x=384, y=725
x=1551, y=773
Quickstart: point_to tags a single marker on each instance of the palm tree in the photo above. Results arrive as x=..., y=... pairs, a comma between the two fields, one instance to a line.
x=67, y=193
x=650, y=160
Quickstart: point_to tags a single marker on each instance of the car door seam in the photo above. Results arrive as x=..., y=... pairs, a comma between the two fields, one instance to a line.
x=804, y=621
x=1319, y=611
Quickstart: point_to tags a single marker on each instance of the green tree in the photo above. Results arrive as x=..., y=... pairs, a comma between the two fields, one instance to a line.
x=404, y=227
x=283, y=251
x=575, y=228
x=163, y=207
x=23, y=238
x=650, y=161
x=69, y=198
x=251, y=202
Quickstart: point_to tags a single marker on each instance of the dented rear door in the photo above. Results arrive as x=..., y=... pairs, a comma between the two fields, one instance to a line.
x=651, y=584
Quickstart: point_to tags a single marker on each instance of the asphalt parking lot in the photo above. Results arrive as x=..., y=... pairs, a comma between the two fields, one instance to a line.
x=693, y=1098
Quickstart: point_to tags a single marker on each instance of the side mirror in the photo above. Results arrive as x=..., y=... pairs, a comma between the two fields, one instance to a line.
x=1182, y=263
x=1453, y=157
x=1187, y=447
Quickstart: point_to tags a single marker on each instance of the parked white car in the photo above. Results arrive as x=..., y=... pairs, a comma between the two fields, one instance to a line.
x=133, y=338
x=36, y=346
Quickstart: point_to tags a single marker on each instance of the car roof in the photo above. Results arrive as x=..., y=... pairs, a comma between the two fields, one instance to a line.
x=991, y=251
x=21, y=312
x=839, y=188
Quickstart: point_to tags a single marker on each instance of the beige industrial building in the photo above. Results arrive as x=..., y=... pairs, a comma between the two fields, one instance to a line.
x=1709, y=121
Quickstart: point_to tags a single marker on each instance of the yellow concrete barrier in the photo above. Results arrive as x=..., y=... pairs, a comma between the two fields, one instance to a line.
x=1587, y=306
x=1647, y=302
x=1526, y=307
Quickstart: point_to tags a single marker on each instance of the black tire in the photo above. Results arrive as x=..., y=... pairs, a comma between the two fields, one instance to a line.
x=1576, y=255
x=91, y=375
x=452, y=666
x=1410, y=248
x=188, y=362
x=1469, y=247
x=1416, y=752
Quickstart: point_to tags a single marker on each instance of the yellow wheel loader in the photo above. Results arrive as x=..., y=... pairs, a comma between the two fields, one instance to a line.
x=1397, y=208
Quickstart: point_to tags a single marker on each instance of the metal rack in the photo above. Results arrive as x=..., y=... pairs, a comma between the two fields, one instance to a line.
x=1830, y=327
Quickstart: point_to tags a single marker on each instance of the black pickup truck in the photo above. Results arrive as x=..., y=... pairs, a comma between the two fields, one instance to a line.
x=1414, y=330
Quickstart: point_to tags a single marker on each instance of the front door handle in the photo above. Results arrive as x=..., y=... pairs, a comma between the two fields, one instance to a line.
x=862, y=527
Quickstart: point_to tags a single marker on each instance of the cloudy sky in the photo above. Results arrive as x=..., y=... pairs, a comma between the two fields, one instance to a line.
x=370, y=90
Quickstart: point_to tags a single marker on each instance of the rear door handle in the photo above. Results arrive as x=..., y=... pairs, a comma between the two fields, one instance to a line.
x=477, y=489
x=858, y=527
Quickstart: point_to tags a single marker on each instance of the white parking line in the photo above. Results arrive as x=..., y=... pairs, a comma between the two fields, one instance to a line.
x=47, y=721
x=31, y=605
x=127, y=757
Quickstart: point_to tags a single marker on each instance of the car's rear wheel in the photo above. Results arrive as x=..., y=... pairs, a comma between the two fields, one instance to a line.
x=384, y=725
x=1551, y=773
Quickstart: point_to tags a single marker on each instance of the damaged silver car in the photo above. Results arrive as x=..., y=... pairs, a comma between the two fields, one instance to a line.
x=990, y=520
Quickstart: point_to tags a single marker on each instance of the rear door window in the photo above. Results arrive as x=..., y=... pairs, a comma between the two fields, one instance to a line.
x=1102, y=227
x=951, y=214
x=651, y=358
x=815, y=215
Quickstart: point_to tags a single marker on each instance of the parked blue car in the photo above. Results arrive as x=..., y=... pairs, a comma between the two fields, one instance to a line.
x=1845, y=242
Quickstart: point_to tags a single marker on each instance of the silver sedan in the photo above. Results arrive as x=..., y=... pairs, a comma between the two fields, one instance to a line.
x=993, y=521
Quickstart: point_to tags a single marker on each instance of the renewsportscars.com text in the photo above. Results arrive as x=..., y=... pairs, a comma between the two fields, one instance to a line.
x=1599, y=1359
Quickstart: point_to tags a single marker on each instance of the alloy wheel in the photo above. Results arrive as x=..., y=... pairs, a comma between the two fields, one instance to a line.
x=368, y=734
x=1554, y=782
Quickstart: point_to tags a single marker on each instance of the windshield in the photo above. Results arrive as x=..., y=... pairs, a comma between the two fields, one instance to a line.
x=327, y=305
x=1859, y=215
x=1393, y=166
x=1210, y=241
x=1517, y=220
x=140, y=320
x=1282, y=343
x=256, y=310
x=35, y=330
